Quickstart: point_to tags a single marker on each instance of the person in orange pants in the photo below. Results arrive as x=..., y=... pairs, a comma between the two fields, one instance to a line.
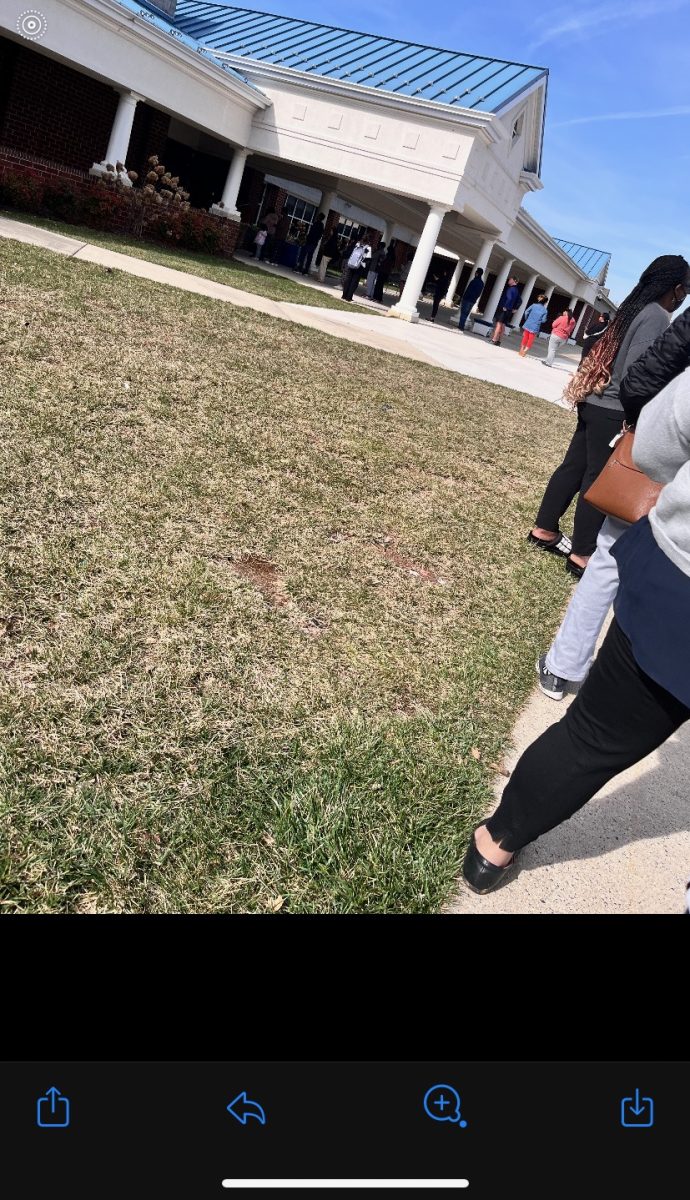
x=534, y=318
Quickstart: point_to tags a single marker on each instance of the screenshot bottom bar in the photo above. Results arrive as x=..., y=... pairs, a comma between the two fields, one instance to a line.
x=346, y=1183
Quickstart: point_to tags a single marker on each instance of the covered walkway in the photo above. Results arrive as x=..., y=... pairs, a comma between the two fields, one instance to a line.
x=436, y=345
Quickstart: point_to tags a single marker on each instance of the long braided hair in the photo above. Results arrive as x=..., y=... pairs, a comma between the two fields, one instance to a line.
x=594, y=373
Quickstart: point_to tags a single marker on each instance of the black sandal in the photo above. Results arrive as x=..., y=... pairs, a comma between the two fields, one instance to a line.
x=561, y=545
x=574, y=568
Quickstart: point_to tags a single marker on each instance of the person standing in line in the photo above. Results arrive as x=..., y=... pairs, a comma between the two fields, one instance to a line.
x=440, y=289
x=330, y=251
x=270, y=220
x=312, y=240
x=570, y=655
x=510, y=300
x=594, y=331
x=384, y=272
x=260, y=242
x=281, y=233
x=470, y=297
x=594, y=388
x=357, y=259
x=637, y=693
x=365, y=261
x=560, y=332
x=535, y=316
x=375, y=261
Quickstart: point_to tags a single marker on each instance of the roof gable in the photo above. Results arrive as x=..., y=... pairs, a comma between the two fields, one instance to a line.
x=448, y=77
x=593, y=263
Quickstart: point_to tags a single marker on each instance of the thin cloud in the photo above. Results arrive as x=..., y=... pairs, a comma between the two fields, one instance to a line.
x=592, y=20
x=681, y=110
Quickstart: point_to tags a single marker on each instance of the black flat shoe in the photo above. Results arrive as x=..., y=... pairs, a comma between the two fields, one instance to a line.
x=574, y=568
x=479, y=874
x=562, y=546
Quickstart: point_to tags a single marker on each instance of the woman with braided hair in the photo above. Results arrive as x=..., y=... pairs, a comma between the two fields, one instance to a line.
x=642, y=317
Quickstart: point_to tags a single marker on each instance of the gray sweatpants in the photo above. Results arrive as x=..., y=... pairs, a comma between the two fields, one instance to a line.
x=555, y=344
x=573, y=647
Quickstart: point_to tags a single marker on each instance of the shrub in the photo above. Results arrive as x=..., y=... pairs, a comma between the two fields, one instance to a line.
x=61, y=200
x=100, y=209
x=21, y=189
x=156, y=208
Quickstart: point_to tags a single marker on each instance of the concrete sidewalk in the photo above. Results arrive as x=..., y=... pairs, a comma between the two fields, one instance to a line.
x=628, y=850
x=437, y=345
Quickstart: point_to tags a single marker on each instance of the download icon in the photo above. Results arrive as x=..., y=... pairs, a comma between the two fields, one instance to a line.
x=637, y=1112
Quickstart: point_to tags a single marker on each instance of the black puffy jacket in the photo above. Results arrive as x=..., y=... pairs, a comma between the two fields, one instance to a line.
x=665, y=358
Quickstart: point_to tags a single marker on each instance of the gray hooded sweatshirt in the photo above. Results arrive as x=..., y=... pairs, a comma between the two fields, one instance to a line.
x=662, y=450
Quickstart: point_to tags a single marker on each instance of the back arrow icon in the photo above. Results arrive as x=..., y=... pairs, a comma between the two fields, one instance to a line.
x=241, y=1109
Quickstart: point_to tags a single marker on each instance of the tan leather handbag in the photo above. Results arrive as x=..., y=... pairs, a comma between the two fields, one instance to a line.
x=621, y=490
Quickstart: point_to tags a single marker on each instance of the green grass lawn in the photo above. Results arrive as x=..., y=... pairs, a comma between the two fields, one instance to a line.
x=223, y=270
x=267, y=609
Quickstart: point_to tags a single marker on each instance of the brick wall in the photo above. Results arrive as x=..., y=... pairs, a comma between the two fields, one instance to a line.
x=149, y=135
x=587, y=319
x=53, y=115
x=51, y=111
x=250, y=193
x=42, y=168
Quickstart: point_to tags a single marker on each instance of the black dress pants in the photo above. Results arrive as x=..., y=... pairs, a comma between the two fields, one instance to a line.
x=585, y=457
x=618, y=716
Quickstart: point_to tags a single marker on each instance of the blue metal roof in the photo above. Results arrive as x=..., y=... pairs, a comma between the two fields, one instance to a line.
x=404, y=68
x=594, y=263
x=160, y=21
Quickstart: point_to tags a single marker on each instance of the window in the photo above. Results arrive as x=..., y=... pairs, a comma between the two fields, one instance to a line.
x=348, y=231
x=301, y=214
x=517, y=128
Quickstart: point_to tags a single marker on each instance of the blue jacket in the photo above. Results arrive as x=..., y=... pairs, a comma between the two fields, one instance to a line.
x=473, y=291
x=535, y=316
x=511, y=298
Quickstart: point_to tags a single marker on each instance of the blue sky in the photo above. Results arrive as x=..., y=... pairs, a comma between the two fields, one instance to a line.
x=616, y=166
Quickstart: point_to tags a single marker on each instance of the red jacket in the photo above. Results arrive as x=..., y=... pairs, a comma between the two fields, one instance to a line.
x=563, y=326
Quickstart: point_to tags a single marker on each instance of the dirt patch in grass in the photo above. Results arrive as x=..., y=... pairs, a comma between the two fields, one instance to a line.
x=264, y=575
x=390, y=551
x=175, y=737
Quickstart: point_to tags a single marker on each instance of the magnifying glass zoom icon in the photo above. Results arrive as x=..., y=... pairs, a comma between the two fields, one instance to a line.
x=442, y=1103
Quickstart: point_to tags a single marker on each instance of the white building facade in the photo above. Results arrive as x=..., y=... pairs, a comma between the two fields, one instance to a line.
x=439, y=147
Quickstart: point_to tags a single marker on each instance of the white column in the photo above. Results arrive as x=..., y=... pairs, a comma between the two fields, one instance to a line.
x=388, y=234
x=550, y=291
x=120, y=134
x=585, y=307
x=483, y=257
x=406, y=308
x=498, y=289
x=447, y=301
x=326, y=203
x=526, y=293
x=228, y=201
x=576, y=330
